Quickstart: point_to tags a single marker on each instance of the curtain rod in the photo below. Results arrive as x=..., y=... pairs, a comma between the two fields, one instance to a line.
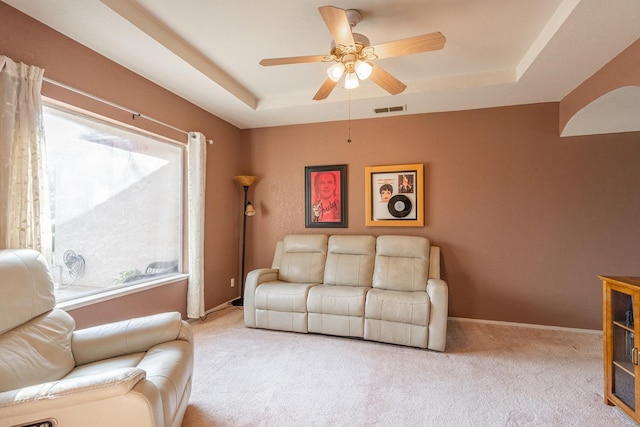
x=133, y=113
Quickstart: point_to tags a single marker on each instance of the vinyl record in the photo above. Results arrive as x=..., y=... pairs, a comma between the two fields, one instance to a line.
x=399, y=206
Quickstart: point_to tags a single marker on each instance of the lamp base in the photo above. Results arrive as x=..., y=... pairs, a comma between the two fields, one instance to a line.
x=238, y=302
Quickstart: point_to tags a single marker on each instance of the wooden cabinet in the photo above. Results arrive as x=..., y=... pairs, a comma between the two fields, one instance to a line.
x=621, y=309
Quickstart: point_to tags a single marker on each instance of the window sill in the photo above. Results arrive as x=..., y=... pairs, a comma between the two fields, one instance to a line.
x=81, y=301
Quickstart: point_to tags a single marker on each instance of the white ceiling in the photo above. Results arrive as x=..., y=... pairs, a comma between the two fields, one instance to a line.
x=498, y=52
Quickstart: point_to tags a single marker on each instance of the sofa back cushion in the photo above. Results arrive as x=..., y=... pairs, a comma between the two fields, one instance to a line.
x=350, y=260
x=303, y=258
x=25, y=285
x=35, y=338
x=402, y=263
x=36, y=352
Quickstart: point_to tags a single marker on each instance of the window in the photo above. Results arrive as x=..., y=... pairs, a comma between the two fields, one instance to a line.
x=116, y=205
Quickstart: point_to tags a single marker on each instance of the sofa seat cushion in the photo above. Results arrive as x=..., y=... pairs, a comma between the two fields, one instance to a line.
x=335, y=324
x=341, y=300
x=283, y=296
x=397, y=317
x=337, y=310
x=401, y=307
x=282, y=320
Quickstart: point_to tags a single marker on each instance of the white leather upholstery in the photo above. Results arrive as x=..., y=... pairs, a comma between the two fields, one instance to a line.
x=402, y=263
x=21, y=287
x=385, y=289
x=397, y=308
x=438, y=292
x=303, y=258
x=350, y=260
x=280, y=302
x=131, y=373
x=397, y=317
x=38, y=351
x=337, y=310
x=337, y=306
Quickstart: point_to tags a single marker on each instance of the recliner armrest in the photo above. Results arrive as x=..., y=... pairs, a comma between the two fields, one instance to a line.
x=128, y=336
x=255, y=278
x=66, y=391
x=438, y=292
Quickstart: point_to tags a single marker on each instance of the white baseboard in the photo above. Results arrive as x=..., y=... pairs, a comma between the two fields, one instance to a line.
x=465, y=319
x=220, y=307
x=214, y=310
x=528, y=325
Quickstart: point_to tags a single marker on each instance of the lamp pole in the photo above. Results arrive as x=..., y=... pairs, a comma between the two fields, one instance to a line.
x=240, y=301
x=247, y=210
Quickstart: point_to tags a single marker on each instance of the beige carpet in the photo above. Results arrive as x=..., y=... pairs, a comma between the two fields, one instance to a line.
x=490, y=375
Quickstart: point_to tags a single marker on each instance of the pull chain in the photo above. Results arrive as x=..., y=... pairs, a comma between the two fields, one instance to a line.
x=349, y=135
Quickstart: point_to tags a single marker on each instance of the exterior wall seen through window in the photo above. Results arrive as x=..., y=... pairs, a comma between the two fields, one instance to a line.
x=116, y=204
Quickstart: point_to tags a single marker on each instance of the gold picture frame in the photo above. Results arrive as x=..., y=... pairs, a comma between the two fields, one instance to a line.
x=394, y=195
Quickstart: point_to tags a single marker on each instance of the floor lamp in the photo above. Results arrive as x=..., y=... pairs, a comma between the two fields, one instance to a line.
x=246, y=182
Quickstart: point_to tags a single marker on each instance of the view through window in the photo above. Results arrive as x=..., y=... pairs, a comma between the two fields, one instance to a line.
x=116, y=205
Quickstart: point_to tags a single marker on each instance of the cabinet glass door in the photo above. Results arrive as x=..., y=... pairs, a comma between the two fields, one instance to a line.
x=625, y=352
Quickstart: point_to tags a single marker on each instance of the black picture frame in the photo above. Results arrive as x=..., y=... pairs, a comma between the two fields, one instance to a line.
x=328, y=208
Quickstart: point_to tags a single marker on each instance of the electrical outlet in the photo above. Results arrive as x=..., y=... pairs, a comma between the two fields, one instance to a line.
x=233, y=282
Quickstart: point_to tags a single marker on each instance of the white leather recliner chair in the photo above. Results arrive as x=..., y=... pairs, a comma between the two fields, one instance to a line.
x=131, y=373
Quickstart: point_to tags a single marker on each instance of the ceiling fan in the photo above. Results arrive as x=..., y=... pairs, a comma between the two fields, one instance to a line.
x=352, y=53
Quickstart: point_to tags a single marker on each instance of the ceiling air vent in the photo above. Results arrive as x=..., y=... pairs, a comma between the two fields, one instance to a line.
x=390, y=109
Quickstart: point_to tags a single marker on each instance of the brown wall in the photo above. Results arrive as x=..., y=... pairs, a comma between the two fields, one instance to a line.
x=526, y=220
x=165, y=298
x=26, y=40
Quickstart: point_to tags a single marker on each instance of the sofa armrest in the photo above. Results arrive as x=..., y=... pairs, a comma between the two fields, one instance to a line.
x=438, y=292
x=68, y=392
x=434, y=262
x=128, y=336
x=255, y=278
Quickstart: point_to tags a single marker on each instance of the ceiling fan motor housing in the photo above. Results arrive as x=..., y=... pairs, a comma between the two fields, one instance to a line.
x=353, y=16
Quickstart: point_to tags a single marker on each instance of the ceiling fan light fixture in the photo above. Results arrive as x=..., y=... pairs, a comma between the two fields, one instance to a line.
x=363, y=69
x=351, y=80
x=336, y=71
x=353, y=54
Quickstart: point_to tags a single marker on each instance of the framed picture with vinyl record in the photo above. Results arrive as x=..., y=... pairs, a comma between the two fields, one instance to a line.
x=394, y=195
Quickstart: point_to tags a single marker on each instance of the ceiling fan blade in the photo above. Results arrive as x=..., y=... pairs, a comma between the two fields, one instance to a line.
x=292, y=60
x=325, y=89
x=418, y=44
x=386, y=81
x=338, y=24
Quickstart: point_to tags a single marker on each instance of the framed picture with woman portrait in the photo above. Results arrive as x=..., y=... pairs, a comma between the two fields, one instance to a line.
x=394, y=195
x=325, y=196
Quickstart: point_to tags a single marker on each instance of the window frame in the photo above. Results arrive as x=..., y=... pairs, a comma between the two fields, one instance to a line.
x=83, y=300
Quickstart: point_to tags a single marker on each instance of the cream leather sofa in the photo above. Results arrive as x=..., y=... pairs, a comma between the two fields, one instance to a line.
x=131, y=373
x=385, y=288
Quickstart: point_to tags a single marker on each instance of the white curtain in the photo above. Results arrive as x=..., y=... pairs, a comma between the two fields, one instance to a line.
x=24, y=196
x=196, y=174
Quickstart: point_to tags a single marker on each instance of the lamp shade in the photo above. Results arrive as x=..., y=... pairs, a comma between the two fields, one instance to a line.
x=336, y=71
x=351, y=80
x=249, y=210
x=246, y=180
x=363, y=69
